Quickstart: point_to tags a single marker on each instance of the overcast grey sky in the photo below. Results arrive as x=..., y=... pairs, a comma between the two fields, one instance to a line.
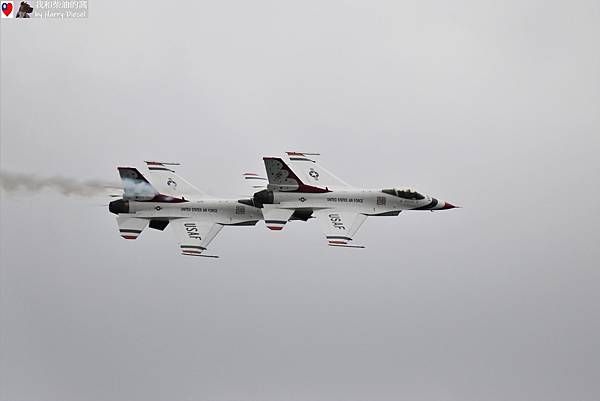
x=494, y=106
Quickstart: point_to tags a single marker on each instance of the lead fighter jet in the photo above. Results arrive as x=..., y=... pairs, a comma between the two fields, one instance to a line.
x=195, y=217
x=298, y=186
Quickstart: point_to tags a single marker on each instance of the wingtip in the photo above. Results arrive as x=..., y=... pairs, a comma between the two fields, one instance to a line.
x=347, y=246
x=163, y=163
x=294, y=153
x=197, y=254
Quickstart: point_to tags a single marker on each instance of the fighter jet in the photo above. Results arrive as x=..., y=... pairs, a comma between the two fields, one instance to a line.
x=299, y=186
x=169, y=200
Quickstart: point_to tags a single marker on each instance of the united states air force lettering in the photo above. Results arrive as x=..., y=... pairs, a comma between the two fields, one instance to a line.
x=198, y=209
x=347, y=200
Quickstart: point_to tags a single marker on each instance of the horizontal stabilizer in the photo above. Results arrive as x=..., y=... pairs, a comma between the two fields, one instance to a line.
x=131, y=227
x=275, y=218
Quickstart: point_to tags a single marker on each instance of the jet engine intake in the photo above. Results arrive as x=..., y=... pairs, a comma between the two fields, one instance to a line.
x=302, y=214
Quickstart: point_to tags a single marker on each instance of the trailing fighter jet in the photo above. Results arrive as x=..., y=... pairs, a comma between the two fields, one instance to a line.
x=195, y=217
x=298, y=186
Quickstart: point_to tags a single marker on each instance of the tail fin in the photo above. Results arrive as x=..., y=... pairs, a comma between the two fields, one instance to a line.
x=312, y=172
x=136, y=186
x=169, y=183
x=282, y=178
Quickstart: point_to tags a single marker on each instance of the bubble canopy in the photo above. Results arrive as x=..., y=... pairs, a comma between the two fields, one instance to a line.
x=404, y=193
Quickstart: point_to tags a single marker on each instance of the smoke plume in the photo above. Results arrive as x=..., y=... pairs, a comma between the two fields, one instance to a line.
x=15, y=182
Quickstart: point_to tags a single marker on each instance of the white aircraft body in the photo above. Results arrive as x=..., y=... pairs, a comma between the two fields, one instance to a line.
x=195, y=217
x=298, y=186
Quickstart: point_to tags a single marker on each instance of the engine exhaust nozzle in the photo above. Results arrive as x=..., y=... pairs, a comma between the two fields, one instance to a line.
x=119, y=206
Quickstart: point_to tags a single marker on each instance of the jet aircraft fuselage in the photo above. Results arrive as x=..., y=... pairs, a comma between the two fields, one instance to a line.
x=371, y=202
x=218, y=211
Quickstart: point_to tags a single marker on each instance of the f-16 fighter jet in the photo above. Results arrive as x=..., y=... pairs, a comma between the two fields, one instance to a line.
x=298, y=186
x=195, y=217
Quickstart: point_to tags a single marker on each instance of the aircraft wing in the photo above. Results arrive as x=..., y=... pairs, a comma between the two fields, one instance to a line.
x=339, y=227
x=312, y=173
x=194, y=235
x=168, y=182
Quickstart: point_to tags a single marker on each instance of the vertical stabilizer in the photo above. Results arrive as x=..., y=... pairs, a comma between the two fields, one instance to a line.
x=135, y=185
x=283, y=178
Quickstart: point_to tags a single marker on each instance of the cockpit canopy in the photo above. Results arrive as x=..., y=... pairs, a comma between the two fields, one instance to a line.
x=404, y=193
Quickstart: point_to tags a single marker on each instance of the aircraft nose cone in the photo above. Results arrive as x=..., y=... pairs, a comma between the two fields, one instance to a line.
x=448, y=205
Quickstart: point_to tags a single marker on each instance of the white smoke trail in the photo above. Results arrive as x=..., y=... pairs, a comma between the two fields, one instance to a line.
x=15, y=182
